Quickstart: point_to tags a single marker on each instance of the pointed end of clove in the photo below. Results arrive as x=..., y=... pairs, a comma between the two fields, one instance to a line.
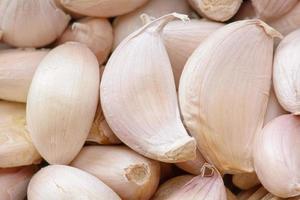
x=268, y=29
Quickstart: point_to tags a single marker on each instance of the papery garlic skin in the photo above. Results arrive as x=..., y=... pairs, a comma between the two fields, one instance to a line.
x=245, y=181
x=138, y=97
x=278, y=145
x=17, y=67
x=62, y=102
x=31, y=23
x=192, y=166
x=223, y=92
x=129, y=174
x=63, y=182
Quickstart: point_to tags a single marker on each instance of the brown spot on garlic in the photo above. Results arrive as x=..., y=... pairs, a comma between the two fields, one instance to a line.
x=138, y=173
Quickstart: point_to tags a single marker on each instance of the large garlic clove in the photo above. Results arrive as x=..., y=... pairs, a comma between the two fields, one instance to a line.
x=215, y=9
x=129, y=174
x=96, y=33
x=245, y=181
x=14, y=182
x=246, y=11
x=223, y=92
x=138, y=96
x=16, y=148
x=62, y=102
x=192, y=166
x=126, y=24
x=278, y=145
x=64, y=182
x=230, y=195
x=102, y=8
x=31, y=23
x=17, y=67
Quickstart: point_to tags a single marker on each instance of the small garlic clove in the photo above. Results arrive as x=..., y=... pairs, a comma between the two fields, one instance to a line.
x=138, y=96
x=62, y=102
x=215, y=9
x=17, y=67
x=64, y=182
x=246, y=11
x=192, y=166
x=258, y=194
x=223, y=92
x=31, y=23
x=129, y=174
x=14, y=182
x=230, y=195
x=279, y=138
x=245, y=181
x=245, y=194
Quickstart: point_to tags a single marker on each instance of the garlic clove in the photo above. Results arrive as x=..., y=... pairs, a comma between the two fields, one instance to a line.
x=16, y=148
x=279, y=138
x=230, y=195
x=223, y=92
x=17, y=67
x=192, y=166
x=14, y=182
x=96, y=33
x=138, y=96
x=245, y=194
x=62, y=102
x=258, y=194
x=129, y=174
x=215, y=9
x=31, y=23
x=64, y=182
x=245, y=181
x=246, y=11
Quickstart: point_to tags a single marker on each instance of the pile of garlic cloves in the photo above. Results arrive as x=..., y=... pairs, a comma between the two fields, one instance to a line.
x=149, y=100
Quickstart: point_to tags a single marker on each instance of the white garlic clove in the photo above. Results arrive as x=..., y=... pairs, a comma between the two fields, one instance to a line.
x=245, y=181
x=192, y=166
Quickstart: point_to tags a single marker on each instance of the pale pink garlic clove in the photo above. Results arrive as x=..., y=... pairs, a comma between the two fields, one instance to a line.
x=192, y=166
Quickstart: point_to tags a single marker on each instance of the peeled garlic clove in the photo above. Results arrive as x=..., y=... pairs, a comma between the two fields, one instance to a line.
x=126, y=24
x=17, y=67
x=129, y=174
x=14, y=182
x=138, y=96
x=223, y=92
x=245, y=181
x=279, y=138
x=31, y=23
x=102, y=8
x=62, y=101
x=246, y=11
x=171, y=186
x=64, y=182
x=215, y=9
x=230, y=195
x=271, y=9
x=258, y=194
x=192, y=166
x=96, y=33
x=16, y=148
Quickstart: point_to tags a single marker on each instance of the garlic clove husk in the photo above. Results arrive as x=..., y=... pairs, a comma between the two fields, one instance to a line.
x=215, y=9
x=14, y=182
x=223, y=92
x=16, y=148
x=17, y=67
x=230, y=195
x=129, y=174
x=192, y=166
x=138, y=96
x=102, y=8
x=279, y=138
x=245, y=181
x=64, y=182
x=245, y=194
x=62, y=102
x=246, y=11
x=258, y=194
x=96, y=33
x=31, y=23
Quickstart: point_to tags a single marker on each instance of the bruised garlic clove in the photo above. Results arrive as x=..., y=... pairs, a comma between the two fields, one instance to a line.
x=126, y=24
x=129, y=174
x=16, y=148
x=64, y=182
x=62, y=102
x=138, y=96
x=230, y=195
x=258, y=194
x=31, y=23
x=96, y=33
x=102, y=8
x=245, y=181
x=279, y=138
x=223, y=92
x=192, y=166
x=17, y=67
x=246, y=11
x=215, y=9
x=14, y=182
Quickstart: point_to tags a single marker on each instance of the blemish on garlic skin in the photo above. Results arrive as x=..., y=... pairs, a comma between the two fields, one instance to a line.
x=138, y=173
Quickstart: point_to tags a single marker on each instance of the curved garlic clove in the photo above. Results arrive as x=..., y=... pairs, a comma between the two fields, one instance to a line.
x=223, y=92
x=16, y=148
x=62, y=102
x=230, y=195
x=17, y=67
x=31, y=23
x=245, y=181
x=246, y=11
x=258, y=194
x=14, y=182
x=129, y=174
x=192, y=166
x=102, y=8
x=215, y=9
x=138, y=96
x=96, y=33
x=64, y=182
